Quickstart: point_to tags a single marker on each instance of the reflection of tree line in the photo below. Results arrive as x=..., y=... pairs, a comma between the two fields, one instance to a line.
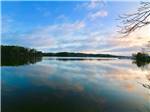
x=15, y=55
x=141, y=59
x=130, y=23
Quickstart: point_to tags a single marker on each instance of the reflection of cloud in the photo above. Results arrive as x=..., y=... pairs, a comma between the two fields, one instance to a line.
x=79, y=88
x=98, y=81
x=129, y=87
x=128, y=75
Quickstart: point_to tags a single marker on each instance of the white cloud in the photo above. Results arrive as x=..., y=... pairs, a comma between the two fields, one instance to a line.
x=128, y=45
x=95, y=3
x=7, y=24
x=95, y=9
x=62, y=17
x=51, y=35
x=43, y=11
x=81, y=35
x=101, y=13
x=90, y=5
x=78, y=37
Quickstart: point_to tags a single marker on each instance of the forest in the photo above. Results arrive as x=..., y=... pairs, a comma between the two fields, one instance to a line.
x=16, y=55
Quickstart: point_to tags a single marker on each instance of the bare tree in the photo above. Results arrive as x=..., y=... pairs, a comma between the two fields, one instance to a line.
x=134, y=21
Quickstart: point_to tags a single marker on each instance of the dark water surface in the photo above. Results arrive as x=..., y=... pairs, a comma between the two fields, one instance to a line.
x=74, y=85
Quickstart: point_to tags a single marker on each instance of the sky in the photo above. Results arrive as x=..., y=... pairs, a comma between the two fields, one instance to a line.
x=71, y=26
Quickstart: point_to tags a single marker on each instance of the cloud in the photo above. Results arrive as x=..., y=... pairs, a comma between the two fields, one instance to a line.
x=43, y=11
x=95, y=9
x=98, y=14
x=7, y=24
x=79, y=35
x=62, y=17
x=95, y=3
x=48, y=36
x=112, y=43
x=90, y=5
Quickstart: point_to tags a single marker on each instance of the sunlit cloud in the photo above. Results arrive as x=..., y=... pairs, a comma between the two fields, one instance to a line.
x=93, y=31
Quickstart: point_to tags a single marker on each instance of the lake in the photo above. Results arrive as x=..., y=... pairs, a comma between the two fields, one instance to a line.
x=76, y=85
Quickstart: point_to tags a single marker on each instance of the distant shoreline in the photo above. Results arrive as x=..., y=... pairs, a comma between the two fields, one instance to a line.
x=83, y=55
x=19, y=51
x=17, y=55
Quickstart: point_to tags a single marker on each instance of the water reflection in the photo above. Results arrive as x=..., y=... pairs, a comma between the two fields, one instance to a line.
x=78, y=86
x=24, y=61
x=141, y=64
x=77, y=58
x=19, y=61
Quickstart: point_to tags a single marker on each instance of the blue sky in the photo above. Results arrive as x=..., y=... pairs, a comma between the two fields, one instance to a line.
x=75, y=26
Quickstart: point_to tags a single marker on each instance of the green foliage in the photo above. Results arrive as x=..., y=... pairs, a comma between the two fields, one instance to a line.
x=141, y=59
x=71, y=54
x=16, y=55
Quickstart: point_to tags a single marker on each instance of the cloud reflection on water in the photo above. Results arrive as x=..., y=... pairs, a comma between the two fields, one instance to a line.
x=103, y=83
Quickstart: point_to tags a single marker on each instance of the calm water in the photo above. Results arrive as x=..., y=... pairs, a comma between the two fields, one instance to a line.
x=61, y=85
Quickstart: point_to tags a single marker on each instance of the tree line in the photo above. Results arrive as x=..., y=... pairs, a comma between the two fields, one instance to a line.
x=16, y=55
x=20, y=55
x=141, y=59
x=72, y=54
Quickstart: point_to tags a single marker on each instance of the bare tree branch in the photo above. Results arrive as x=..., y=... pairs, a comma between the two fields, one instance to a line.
x=134, y=21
